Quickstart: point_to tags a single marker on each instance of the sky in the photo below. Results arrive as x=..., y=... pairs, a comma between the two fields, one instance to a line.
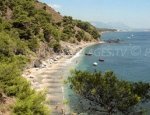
x=134, y=13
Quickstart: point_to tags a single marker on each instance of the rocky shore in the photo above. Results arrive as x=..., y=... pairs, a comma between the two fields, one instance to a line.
x=49, y=75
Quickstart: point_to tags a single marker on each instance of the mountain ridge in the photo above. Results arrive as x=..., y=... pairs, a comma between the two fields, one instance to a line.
x=111, y=25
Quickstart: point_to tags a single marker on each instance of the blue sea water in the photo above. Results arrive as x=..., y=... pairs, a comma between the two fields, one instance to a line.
x=129, y=59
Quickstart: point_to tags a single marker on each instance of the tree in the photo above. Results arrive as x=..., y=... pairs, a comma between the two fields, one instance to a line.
x=80, y=36
x=67, y=20
x=107, y=91
x=7, y=46
x=86, y=26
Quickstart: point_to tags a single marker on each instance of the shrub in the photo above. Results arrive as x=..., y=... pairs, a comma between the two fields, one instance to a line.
x=88, y=28
x=80, y=36
x=67, y=20
x=65, y=37
x=32, y=105
x=57, y=47
x=51, y=32
x=7, y=45
x=28, y=101
x=107, y=91
x=42, y=17
x=69, y=30
x=33, y=44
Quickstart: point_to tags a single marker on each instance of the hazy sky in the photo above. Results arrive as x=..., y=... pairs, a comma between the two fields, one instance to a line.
x=134, y=13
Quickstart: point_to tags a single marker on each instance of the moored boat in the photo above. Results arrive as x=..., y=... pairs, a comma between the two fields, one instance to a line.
x=88, y=54
x=95, y=64
x=101, y=60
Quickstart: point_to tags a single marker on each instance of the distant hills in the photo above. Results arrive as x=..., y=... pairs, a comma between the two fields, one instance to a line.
x=111, y=25
x=117, y=26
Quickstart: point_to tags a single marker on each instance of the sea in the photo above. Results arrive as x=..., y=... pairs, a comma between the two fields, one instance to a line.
x=125, y=53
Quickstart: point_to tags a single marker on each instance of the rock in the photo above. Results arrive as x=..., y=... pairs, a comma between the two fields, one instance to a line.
x=113, y=41
x=55, y=59
x=37, y=63
x=51, y=61
x=44, y=64
x=31, y=77
x=66, y=51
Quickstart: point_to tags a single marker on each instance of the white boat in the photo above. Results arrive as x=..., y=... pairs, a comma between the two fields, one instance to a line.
x=95, y=64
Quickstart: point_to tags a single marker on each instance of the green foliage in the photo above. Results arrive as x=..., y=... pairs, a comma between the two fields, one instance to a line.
x=67, y=20
x=33, y=44
x=69, y=30
x=4, y=25
x=42, y=17
x=86, y=26
x=10, y=46
x=32, y=105
x=80, y=36
x=65, y=37
x=109, y=92
x=51, y=32
x=57, y=47
x=3, y=6
x=27, y=5
x=7, y=46
x=28, y=101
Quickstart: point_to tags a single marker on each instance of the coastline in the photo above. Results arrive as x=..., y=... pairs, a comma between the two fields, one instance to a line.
x=51, y=78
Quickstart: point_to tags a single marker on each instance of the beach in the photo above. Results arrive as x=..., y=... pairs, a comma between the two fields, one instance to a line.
x=50, y=78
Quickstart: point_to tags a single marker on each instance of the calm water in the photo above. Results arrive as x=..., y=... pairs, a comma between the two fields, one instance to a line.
x=129, y=59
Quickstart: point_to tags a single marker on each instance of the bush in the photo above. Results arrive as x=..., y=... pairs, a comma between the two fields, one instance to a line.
x=69, y=30
x=10, y=46
x=88, y=28
x=33, y=44
x=7, y=45
x=42, y=17
x=57, y=47
x=28, y=101
x=33, y=105
x=65, y=37
x=51, y=32
x=4, y=25
x=80, y=36
x=67, y=20
x=107, y=91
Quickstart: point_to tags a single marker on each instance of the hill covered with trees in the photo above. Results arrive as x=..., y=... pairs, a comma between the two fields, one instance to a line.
x=25, y=27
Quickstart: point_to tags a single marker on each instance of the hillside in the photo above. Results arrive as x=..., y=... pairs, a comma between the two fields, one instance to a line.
x=55, y=15
x=29, y=31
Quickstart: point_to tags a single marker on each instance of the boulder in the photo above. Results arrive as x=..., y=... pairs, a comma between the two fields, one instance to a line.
x=37, y=63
